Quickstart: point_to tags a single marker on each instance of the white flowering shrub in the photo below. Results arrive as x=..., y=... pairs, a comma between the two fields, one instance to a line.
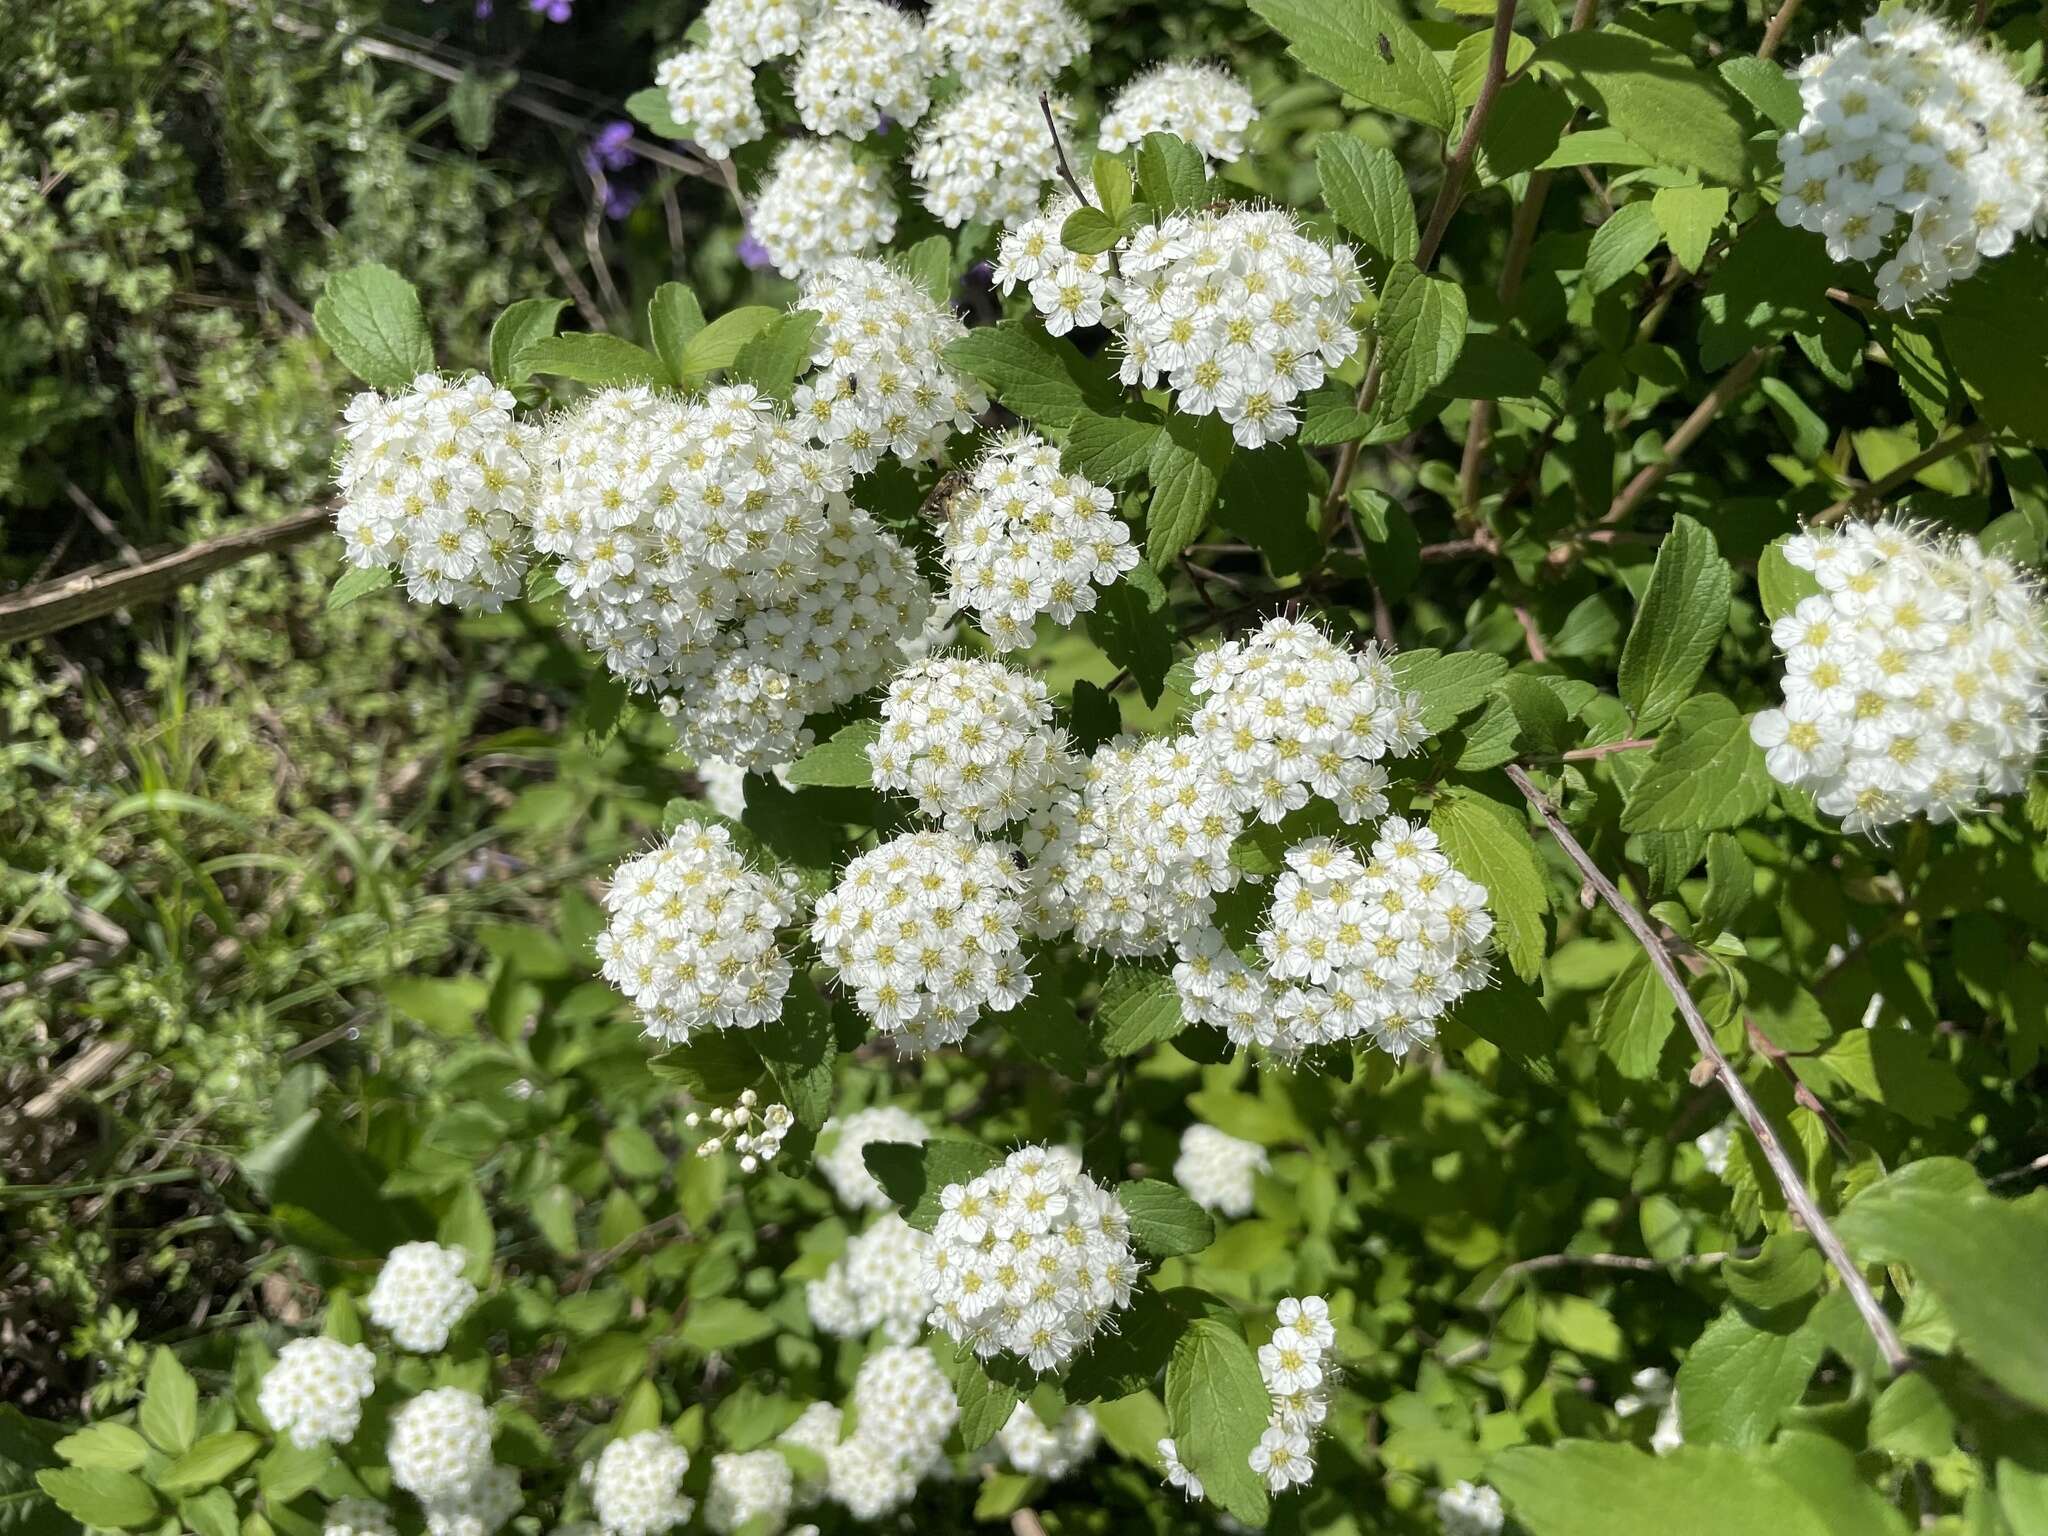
x=636, y=1485
x=862, y=61
x=1218, y=1170
x=821, y=202
x=1026, y=45
x=971, y=741
x=1204, y=104
x=315, y=1392
x=421, y=1293
x=986, y=155
x=713, y=92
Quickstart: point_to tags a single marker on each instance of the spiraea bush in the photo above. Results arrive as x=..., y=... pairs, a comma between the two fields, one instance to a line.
x=1336, y=714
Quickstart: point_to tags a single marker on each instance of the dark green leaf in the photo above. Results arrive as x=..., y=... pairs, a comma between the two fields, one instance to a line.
x=590, y=357
x=1490, y=843
x=1421, y=329
x=1217, y=1406
x=674, y=317
x=1366, y=48
x=371, y=320
x=916, y=1176
x=842, y=761
x=1164, y=1221
x=1679, y=623
x=1657, y=96
x=773, y=360
x=1171, y=173
x=519, y=327
x=1367, y=190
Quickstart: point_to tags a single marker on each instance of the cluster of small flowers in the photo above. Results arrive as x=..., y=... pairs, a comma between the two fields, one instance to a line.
x=1068, y=288
x=1654, y=1392
x=420, y=1294
x=819, y=203
x=925, y=931
x=1914, y=680
x=713, y=93
x=816, y=1430
x=987, y=155
x=1714, y=1146
x=903, y=1409
x=1909, y=121
x=756, y=1144
x=691, y=940
x=1031, y=1257
x=315, y=1392
x=841, y=1143
x=971, y=740
x=440, y=1453
x=435, y=483
x=1217, y=1169
x=1204, y=104
x=1470, y=1509
x=1023, y=42
x=1296, y=1377
x=877, y=1283
x=746, y=1487
x=864, y=61
x=357, y=1517
x=881, y=384
x=1051, y=1453
x=1380, y=947
x=1024, y=538
x=636, y=1485
x=757, y=30
x=481, y=1509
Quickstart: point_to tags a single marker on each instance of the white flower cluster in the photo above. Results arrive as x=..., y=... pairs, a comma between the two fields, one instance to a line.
x=756, y=30
x=420, y=1294
x=440, y=1445
x=1714, y=1145
x=842, y=1165
x=435, y=484
x=636, y=1485
x=877, y=1283
x=1290, y=714
x=1204, y=104
x=736, y=1124
x=1051, y=1453
x=1216, y=1169
x=1296, y=1377
x=880, y=383
x=1025, y=43
x=1654, y=1392
x=971, y=740
x=1068, y=288
x=1914, y=680
x=691, y=939
x=1470, y=1509
x=866, y=60
x=987, y=154
x=903, y=1409
x=481, y=1509
x=819, y=203
x=712, y=92
x=1031, y=1257
x=1910, y=125
x=925, y=930
x=1379, y=947
x=315, y=1392
x=816, y=1430
x=756, y=1485
x=357, y=1517
x=1025, y=538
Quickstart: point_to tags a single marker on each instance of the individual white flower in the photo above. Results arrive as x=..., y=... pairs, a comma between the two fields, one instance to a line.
x=1296, y=1372
x=756, y=1485
x=315, y=1391
x=816, y=1430
x=1470, y=1509
x=1714, y=1145
x=880, y=383
x=877, y=1283
x=1025, y=43
x=1204, y=104
x=819, y=203
x=636, y=1485
x=987, y=154
x=440, y=1444
x=1069, y=289
x=691, y=939
x=435, y=484
x=1177, y=1474
x=421, y=1294
x=864, y=61
x=1025, y=538
x=903, y=1409
x=357, y=1517
x=924, y=931
x=973, y=742
x=480, y=1509
x=1916, y=139
x=1050, y=1453
x=1914, y=679
x=1031, y=1258
x=842, y=1141
x=1217, y=1169
x=757, y=30
x=712, y=93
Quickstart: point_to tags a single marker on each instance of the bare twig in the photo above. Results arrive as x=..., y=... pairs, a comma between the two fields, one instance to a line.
x=1797, y=1196
x=1774, y=34
x=1607, y=749
x=1494, y=1292
x=2021, y=1172
x=102, y=522
x=599, y=1263
x=1059, y=149
x=1025, y=1522
x=1875, y=492
x=1726, y=388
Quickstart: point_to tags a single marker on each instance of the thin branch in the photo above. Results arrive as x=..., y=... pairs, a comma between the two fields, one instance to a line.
x=601, y=1262
x=1060, y=149
x=1963, y=437
x=102, y=522
x=1025, y=1522
x=2011, y=1174
x=1797, y=1196
x=1726, y=388
x=1774, y=34
x=1607, y=749
x=1493, y=1297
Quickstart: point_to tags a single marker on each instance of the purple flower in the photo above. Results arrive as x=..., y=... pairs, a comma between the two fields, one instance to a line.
x=483, y=10
x=610, y=148
x=554, y=10
x=753, y=254
x=620, y=201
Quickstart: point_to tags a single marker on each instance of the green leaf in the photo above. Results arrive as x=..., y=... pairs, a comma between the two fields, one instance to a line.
x=1490, y=843
x=724, y=1322
x=1766, y=87
x=1688, y=218
x=115, y=1447
x=1995, y=329
x=605, y=1366
x=1788, y=1269
x=1114, y=449
x=519, y=327
x=718, y=344
x=212, y=1513
x=1165, y=1222
x=930, y=265
x=211, y=1460
x=801, y=1052
x=289, y=1470
x=1090, y=232
x=1367, y=49
x=916, y=1176
x=773, y=360
x=1781, y=586
x=1031, y=373
x=1047, y=1030
x=170, y=1404
x=674, y=317
x=26, y=1509
x=1112, y=180
x=1824, y=1473
x=1739, y=1380
x=1138, y=1008
x=1619, y=245
x=1772, y=282
x=1910, y=1419
x=649, y=107
x=467, y=1225
x=1588, y=1488
x=1731, y=884
x=1367, y=190
x=358, y=581
x=1188, y=460
x=986, y=1402
x=1451, y=683
x=1129, y=622
x=1172, y=173
x=591, y=357
x=1705, y=774
x=1634, y=1020
x=1421, y=329
x=1216, y=1407
x=1677, y=625
x=1654, y=94
x=108, y=1501
x=371, y=320
x=841, y=762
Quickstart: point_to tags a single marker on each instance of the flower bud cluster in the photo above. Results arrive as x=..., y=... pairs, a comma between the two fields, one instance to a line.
x=1024, y=43
x=315, y=1392
x=440, y=1445
x=1917, y=141
x=1030, y=1258
x=692, y=937
x=756, y=1143
x=713, y=93
x=1204, y=104
x=421, y=1293
x=357, y=1517
x=1217, y=1169
x=864, y=61
x=816, y=1430
x=842, y=1164
x=1296, y=1374
x=636, y=1485
x=757, y=30
x=746, y=1487
x=481, y=1509
x=435, y=484
x=1051, y=1453
x=903, y=1409
x=1025, y=538
x=1470, y=1509
x=987, y=154
x=877, y=1283
x=821, y=202
x=971, y=740
x=1914, y=679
